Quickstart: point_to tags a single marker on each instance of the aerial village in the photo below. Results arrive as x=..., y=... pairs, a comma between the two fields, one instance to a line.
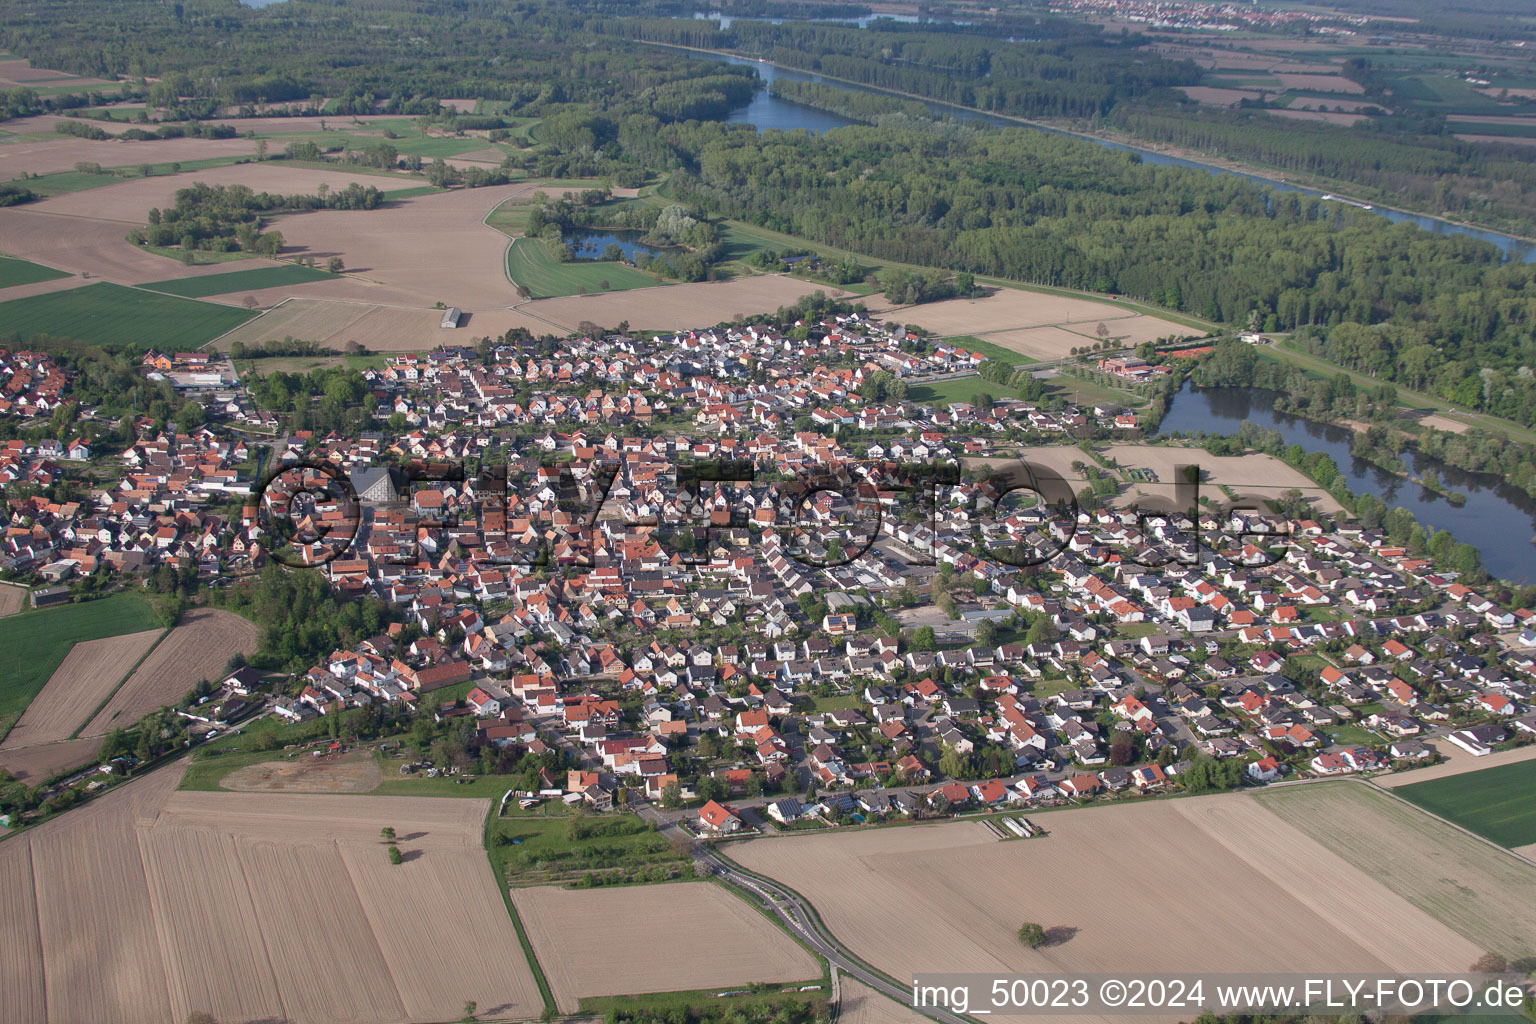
x=746, y=652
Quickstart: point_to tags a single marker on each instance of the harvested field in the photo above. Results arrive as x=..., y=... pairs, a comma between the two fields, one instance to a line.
x=711, y=938
x=678, y=306
x=863, y=1005
x=1011, y=309
x=1042, y=343
x=410, y=252
x=310, y=319
x=1528, y=120
x=14, y=72
x=21, y=954
x=93, y=904
x=12, y=600
x=356, y=772
x=1473, y=887
x=382, y=328
x=98, y=248
x=1216, y=96
x=48, y=156
x=33, y=765
x=198, y=648
x=1327, y=117
x=237, y=904
x=129, y=202
x=948, y=897
x=1320, y=83
x=85, y=678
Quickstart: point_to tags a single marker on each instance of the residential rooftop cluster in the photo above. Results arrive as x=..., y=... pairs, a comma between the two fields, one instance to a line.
x=672, y=636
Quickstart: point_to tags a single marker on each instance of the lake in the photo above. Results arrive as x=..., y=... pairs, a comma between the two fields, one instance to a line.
x=1496, y=519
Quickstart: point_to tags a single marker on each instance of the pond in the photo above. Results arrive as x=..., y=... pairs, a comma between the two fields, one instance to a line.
x=1496, y=519
x=590, y=243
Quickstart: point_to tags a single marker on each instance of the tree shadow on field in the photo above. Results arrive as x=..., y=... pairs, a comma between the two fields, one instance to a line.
x=409, y=855
x=1059, y=935
x=411, y=837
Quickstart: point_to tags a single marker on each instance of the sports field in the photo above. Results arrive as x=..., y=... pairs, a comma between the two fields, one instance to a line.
x=530, y=264
x=14, y=272
x=48, y=635
x=239, y=280
x=103, y=312
x=1497, y=803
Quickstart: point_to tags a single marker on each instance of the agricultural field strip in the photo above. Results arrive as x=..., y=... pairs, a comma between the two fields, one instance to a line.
x=1470, y=885
x=878, y=890
x=713, y=938
x=1496, y=803
x=247, y=877
x=197, y=648
x=87, y=677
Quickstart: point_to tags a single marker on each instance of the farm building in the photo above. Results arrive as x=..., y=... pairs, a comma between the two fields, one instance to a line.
x=451, y=316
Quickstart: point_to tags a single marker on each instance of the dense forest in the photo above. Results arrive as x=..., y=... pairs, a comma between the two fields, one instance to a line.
x=1415, y=170
x=545, y=59
x=1076, y=74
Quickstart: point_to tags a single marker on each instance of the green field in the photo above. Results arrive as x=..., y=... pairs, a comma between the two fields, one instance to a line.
x=991, y=351
x=101, y=313
x=47, y=635
x=966, y=389
x=531, y=849
x=14, y=272
x=1497, y=803
x=530, y=264
x=239, y=281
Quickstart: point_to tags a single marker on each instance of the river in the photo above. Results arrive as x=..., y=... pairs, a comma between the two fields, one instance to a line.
x=765, y=111
x=1496, y=519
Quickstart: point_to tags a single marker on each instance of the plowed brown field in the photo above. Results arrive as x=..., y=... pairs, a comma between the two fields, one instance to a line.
x=148, y=904
x=861, y=1004
x=695, y=935
x=1161, y=885
x=77, y=687
x=198, y=648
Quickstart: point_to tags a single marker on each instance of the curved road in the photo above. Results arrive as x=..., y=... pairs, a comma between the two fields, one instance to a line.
x=795, y=912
